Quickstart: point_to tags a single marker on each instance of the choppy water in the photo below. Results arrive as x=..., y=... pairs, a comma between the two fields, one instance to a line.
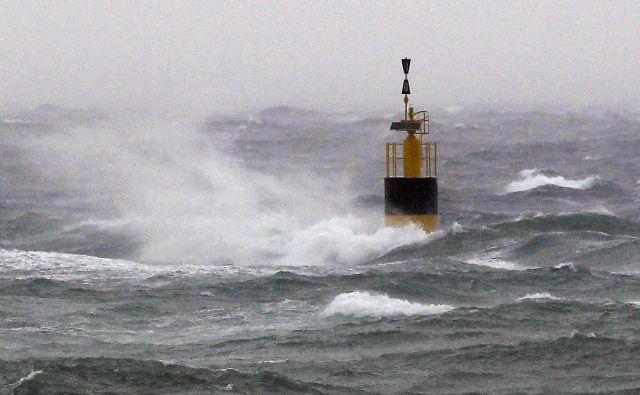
x=141, y=254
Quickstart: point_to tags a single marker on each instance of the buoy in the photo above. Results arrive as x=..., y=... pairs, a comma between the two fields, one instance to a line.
x=411, y=184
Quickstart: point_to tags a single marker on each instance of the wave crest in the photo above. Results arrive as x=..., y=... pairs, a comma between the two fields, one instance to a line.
x=364, y=304
x=534, y=178
x=539, y=296
x=345, y=241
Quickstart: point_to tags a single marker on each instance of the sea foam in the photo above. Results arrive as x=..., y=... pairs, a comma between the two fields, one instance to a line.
x=64, y=266
x=365, y=304
x=28, y=377
x=539, y=296
x=534, y=178
x=346, y=241
x=496, y=263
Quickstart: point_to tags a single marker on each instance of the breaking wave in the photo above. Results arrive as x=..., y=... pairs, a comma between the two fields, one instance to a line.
x=127, y=375
x=495, y=263
x=365, y=304
x=22, y=380
x=539, y=296
x=70, y=267
x=534, y=178
x=344, y=241
x=166, y=193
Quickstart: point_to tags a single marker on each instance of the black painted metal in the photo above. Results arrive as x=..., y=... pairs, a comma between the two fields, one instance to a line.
x=405, y=87
x=406, y=125
x=405, y=65
x=410, y=196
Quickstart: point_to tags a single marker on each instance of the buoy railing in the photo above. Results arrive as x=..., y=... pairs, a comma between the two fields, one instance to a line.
x=429, y=159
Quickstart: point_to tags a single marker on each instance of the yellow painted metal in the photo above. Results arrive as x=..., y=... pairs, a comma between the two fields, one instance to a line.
x=428, y=156
x=388, y=144
x=406, y=104
x=429, y=223
x=427, y=159
x=412, y=157
x=395, y=160
x=435, y=159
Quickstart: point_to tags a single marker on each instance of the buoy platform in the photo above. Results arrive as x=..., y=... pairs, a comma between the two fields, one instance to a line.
x=411, y=183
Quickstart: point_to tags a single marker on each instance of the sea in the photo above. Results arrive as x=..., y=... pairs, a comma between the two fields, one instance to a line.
x=146, y=253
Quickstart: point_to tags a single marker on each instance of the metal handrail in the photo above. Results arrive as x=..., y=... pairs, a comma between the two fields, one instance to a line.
x=429, y=156
x=426, y=118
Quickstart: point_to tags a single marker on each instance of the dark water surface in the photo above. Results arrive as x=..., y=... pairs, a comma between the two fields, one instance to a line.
x=232, y=255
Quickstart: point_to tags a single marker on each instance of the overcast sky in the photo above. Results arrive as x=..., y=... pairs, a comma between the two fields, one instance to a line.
x=219, y=55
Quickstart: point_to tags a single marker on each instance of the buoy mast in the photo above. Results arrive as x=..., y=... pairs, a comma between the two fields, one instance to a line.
x=411, y=195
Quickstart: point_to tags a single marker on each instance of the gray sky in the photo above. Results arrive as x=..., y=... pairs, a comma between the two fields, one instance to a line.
x=218, y=55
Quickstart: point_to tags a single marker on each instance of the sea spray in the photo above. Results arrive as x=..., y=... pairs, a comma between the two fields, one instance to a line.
x=345, y=324
x=186, y=201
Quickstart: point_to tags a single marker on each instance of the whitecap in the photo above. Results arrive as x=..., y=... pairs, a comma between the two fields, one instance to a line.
x=28, y=377
x=600, y=210
x=533, y=178
x=529, y=215
x=273, y=361
x=365, y=304
x=496, y=263
x=346, y=241
x=570, y=265
x=64, y=266
x=539, y=296
x=456, y=228
x=574, y=333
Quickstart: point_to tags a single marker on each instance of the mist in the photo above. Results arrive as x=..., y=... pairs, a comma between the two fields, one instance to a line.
x=217, y=57
x=170, y=187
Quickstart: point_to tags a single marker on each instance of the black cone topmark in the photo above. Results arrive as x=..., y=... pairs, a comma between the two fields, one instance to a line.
x=405, y=65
